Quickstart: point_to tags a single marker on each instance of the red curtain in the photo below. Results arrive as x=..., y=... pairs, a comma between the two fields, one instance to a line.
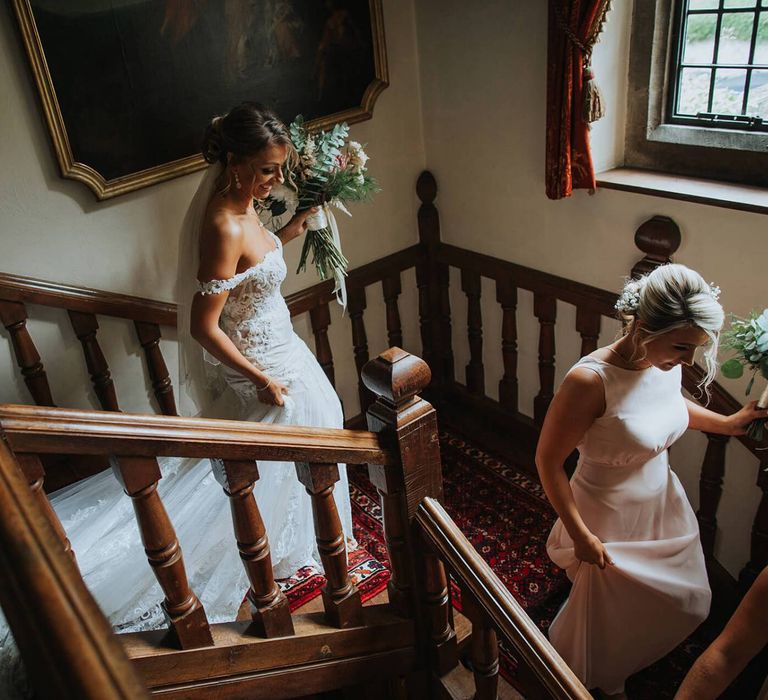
x=574, y=26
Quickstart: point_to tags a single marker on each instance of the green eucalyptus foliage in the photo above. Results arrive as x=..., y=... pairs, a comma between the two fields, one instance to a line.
x=323, y=175
x=748, y=339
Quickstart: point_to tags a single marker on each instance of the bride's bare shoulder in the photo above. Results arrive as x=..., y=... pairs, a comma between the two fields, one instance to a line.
x=221, y=227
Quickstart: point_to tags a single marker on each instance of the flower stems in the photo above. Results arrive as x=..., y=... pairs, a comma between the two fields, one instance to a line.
x=326, y=257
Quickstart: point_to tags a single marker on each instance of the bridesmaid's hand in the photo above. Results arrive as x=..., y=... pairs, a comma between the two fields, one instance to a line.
x=591, y=550
x=297, y=225
x=739, y=422
x=272, y=395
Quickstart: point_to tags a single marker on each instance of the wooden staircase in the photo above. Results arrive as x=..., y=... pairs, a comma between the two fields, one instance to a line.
x=406, y=645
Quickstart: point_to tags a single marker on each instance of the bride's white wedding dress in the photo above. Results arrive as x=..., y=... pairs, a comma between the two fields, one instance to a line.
x=98, y=517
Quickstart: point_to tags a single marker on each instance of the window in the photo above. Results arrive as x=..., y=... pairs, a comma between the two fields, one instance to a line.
x=720, y=65
x=698, y=89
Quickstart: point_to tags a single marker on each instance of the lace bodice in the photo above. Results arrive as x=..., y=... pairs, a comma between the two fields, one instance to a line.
x=255, y=315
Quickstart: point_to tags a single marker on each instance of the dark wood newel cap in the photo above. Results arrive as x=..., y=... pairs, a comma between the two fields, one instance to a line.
x=659, y=238
x=396, y=375
x=426, y=187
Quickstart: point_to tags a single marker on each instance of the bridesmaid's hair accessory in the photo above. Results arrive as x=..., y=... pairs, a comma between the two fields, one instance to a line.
x=628, y=300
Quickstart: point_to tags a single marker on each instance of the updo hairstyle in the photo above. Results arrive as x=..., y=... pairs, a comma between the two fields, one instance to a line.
x=671, y=297
x=242, y=133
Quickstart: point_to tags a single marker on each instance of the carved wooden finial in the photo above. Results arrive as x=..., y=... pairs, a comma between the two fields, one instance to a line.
x=429, y=219
x=659, y=238
x=426, y=187
x=396, y=376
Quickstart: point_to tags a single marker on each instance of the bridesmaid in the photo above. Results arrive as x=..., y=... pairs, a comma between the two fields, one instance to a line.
x=626, y=534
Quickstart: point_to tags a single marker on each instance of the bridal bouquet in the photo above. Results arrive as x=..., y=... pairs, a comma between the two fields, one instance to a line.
x=748, y=337
x=331, y=170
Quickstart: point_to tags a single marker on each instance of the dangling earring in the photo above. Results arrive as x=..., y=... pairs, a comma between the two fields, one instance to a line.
x=237, y=180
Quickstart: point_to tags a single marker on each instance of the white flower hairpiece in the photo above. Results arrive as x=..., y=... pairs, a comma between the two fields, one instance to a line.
x=628, y=301
x=714, y=291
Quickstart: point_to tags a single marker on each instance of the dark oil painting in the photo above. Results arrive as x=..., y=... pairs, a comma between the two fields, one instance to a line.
x=138, y=80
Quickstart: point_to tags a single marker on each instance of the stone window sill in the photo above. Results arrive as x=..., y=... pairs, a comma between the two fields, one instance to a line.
x=686, y=189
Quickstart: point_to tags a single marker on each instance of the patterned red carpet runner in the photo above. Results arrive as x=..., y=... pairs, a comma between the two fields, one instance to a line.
x=368, y=574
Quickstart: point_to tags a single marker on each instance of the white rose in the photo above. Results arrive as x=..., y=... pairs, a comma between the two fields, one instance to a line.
x=356, y=156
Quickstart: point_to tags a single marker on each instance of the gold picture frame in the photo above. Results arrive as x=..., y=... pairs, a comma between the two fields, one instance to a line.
x=52, y=28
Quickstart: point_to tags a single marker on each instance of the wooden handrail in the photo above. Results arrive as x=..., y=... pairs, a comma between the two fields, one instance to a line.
x=86, y=300
x=77, y=656
x=507, y=616
x=37, y=429
x=528, y=278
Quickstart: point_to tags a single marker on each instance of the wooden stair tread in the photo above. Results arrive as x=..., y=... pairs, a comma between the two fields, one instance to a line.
x=236, y=653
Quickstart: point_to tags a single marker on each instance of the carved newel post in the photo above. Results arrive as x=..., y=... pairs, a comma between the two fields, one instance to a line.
x=418, y=586
x=659, y=238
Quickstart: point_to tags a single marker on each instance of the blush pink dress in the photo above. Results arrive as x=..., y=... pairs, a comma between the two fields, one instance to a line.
x=621, y=619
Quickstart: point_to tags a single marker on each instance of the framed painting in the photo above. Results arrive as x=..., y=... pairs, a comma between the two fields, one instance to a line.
x=128, y=86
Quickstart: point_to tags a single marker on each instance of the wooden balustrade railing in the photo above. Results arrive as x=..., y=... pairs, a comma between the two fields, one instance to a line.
x=372, y=642
x=494, y=612
x=411, y=635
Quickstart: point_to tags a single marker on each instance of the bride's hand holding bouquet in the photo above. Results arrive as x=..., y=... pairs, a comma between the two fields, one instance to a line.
x=330, y=171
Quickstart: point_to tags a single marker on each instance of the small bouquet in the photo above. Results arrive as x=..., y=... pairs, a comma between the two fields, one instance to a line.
x=748, y=337
x=331, y=170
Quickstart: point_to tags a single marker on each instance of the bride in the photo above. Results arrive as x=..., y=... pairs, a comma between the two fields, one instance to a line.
x=235, y=341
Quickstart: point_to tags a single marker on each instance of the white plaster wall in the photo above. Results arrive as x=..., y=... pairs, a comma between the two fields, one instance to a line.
x=55, y=229
x=483, y=77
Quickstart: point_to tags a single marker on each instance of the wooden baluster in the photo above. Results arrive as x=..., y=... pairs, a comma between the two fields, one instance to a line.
x=269, y=606
x=437, y=601
x=341, y=599
x=149, y=338
x=506, y=295
x=446, y=339
x=659, y=238
x=545, y=309
x=85, y=326
x=188, y=623
x=710, y=490
x=484, y=649
x=392, y=288
x=426, y=311
x=355, y=308
x=588, y=326
x=758, y=559
x=13, y=315
x=320, y=317
x=427, y=274
x=34, y=472
x=406, y=420
x=470, y=285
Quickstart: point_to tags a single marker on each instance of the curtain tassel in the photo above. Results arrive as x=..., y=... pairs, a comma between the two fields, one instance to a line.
x=594, y=107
